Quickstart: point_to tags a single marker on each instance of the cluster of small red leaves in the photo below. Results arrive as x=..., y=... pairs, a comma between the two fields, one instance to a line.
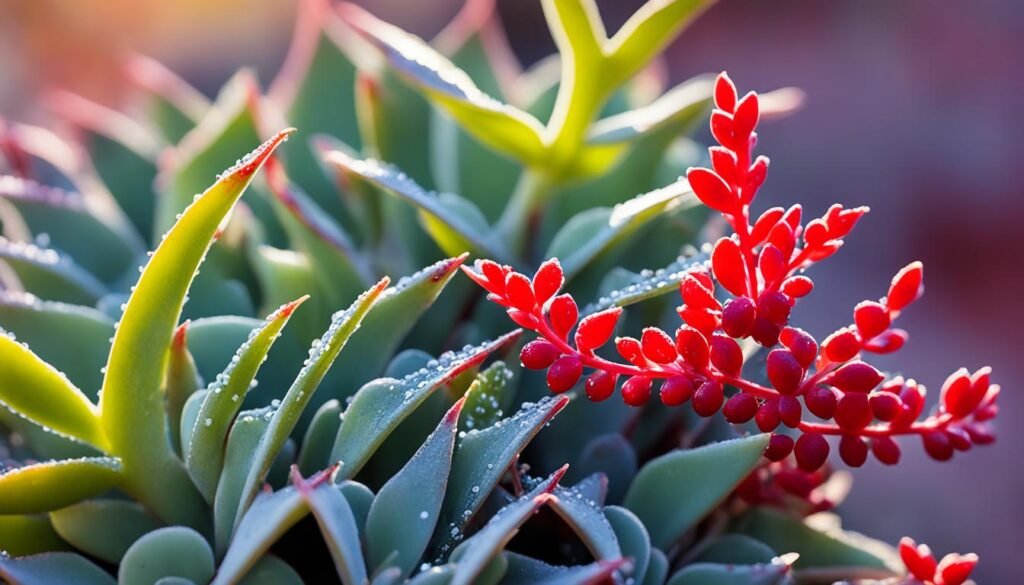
x=953, y=569
x=761, y=267
x=782, y=484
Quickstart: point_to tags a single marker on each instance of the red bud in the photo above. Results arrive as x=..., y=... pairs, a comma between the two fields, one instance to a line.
x=600, y=385
x=595, y=330
x=548, y=279
x=728, y=265
x=811, y=451
x=738, y=317
x=708, y=398
x=784, y=371
x=676, y=390
x=563, y=313
x=636, y=391
x=564, y=373
x=906, y=286
x=740, y=408
x=711, y=189
x=658, y=346
x=539, y=354
x=726, y=355
x=853, y=450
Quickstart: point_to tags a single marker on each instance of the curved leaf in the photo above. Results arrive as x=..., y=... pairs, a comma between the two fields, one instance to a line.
x=103, y=528
x=523, y=570
x=488, y=396
x=646, y=34
x=271, y=570
x=649, y=284
x=246, y=433
x=170, y=552
x=42, y=487
x=586, y=517
x=182, y=382
x=736, y=549
x=49, y=274
x=319, y=437
x=706, y=475
x=338, y=526
x=22, y=535
x=55, y=568
x=612, y=455
x=712, y=574
x=632, y=537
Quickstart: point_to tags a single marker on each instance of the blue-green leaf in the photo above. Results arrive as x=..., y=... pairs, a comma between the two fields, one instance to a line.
x=58, y=568
x=338, y=526
x=174, y=551
x=103, y=528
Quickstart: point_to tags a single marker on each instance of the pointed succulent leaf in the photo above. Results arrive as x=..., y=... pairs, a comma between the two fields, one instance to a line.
x=174, y=106
x=338, y=526
x=707, y=475
x=648, y=284
x=380, y=405
x=632, y=538
x=79, y=351
x=584, y=515
x=443, y=216
x=714, y=574
x=183, y=381
x=524, y=570
x=50, y=274
x=37, y=391
x=473, y=555
x=412, y=498
x=500, y=126
x=204, y=453
x=271, y=570
x=43, y=443
x=483, y=456
x=284, y=275
x=246, y=433
x=488, y=397
x=647, y=33
x=599, y=230
x=22, y=535
x=680, y=104
x=825, y=549
x=319, y=438
x=42, y=487
x=174, y=551
x=322, y=354
x=52, y=569
x=103, y=528
x=132, y=406
x=736, y=549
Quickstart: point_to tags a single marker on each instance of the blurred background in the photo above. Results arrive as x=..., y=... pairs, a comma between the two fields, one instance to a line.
x=913, y=108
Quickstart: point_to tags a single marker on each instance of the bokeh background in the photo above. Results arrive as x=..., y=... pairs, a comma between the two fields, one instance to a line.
x=914, y=108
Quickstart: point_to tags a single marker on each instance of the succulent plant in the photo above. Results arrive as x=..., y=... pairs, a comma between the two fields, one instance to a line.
x=218, y=450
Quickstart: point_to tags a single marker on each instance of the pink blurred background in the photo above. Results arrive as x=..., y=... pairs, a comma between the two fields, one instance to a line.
x=914, y=108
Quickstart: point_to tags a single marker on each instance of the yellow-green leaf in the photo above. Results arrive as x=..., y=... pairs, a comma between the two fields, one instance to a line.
x=55, y=484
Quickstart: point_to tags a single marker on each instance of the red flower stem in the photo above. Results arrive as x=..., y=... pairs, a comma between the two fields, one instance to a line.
x=931, y=424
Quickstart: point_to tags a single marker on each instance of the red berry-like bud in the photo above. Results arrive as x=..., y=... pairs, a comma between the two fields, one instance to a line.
x=765, y=332
x=738, y=317
x=740, y=408
x=797, y=287
x=595, y=330
x=779, y=447
x=548, y=280
x=711, y=189
x=600, y=385
x=959, y=437
x=564, y=373
x=756, y=176
x=937, y=445
x=676, y=390
x=725, y=93
x=918, y=559
x=871, y=318
x=636, y=391
x=955, y=569
x=981, y=433
x=856, y=377
x=563, y=313
x=767, y=417
x=852, y=412
x=631, y=350
x=726, y=355
x=800, y=342
x=906, y=286
x=708, y=398
x=821, y=401
x=959, y=396
x=886, y=450
x=519, y=291
x=853, y=450
x=842, y=345
x=539, y=354
x=784, y=372
x=885, y=405
x=771, y=264
x=790, y=411
x=658, y=346
x=811, y=451
x=693, y=347
x=775, y=306
x=729, y=267
x=887, y=342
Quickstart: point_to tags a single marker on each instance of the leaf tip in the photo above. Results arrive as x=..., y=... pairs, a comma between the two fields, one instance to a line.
x=287, y=309
x=181, y=335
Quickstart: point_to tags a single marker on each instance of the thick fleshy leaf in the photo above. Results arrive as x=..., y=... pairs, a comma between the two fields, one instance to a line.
x=204, y=453
x=49, y=274
x=657, y=568
x=678, y=104
x=380, y=405
x=322, y=354
x=28, y=535
x=483, y=456
x=472, y=556
x=174, y=551
x=713, y=574
x=183, y=381
x=647, y=33
x=736, y=549
x=648, y=284
x=132, y=405
x=586, y=517
x=706, y=474
x=37, y=391
x=488, y=397
x=246, y=433
x=523, y=570
x=103, y=528
x=632, y=538
x=66, y=223
x=79, y=351
x=598, y=230
x=450, y=219
x=338, y=526
x=52, y=569
x=826, y=551
x=498, y=125
x=284, y=275
x=271, y=570
x=319, y=438
x=412, y=498
x=42, y=487
x=612, y=455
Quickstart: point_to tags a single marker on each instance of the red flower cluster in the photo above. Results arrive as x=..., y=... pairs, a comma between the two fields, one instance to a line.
x=782, y=484
x=761, y=267
x=953, y=569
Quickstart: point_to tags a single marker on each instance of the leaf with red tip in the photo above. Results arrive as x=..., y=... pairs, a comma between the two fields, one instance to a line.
x=711, y=189
x=595, y=330
x=729, y=267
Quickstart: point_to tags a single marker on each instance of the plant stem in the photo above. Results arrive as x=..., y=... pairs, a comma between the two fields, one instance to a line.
x=517, y=224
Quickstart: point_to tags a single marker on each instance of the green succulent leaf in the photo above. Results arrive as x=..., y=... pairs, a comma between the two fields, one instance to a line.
x=826, y=551
x=583, y=513
x=412, y=498
x=706, y=475
x=475, y=553
x=524, y=570
x=183, y=381
x=338, y=526
x=680, y=104
x=55, y=568
x=132, y=410
x=204, y=453
x=632, y=538
x=319, y=438
x=246, y=434
x=42, y=487
x=736, y=549
x=713, y=574
x=284, y=275
x=612, y=455
x=22, y=535
x=488, y=397
x=104, y=529
x=379, y=406
x=50, y=274
x=37, y=391
x=631, y=289
x=657, y=568
x=271, y=570
x=647, y=33
x=321, y=356
x=174, y=551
